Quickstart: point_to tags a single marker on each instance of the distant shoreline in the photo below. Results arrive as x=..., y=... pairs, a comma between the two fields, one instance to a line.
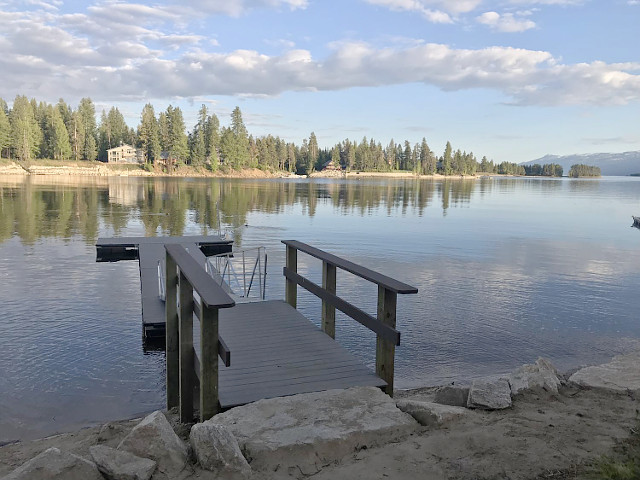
x=98, y=169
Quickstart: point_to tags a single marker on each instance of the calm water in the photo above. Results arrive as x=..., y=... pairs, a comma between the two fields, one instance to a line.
x=508, y=270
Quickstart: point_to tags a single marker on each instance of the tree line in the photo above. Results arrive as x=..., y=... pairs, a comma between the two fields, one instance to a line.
x=34, y=130
x=546, y=170
x=581, y=170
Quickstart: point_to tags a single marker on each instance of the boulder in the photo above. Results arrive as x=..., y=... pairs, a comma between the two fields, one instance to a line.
x=431, y=414
x=621, y=374
x=53, y=464
x=216, y=449
x=121, y=465
x=452, y=395
x=302, y=433
x=154, y=438
x=490, y=394
x=541, y=374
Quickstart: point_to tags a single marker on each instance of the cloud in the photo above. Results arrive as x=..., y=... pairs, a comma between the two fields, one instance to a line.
x=118, y=57
x=434, y=16
x=507, y=22
x=236, y=8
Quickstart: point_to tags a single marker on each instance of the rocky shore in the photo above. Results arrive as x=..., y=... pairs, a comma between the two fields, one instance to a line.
x=532, y=423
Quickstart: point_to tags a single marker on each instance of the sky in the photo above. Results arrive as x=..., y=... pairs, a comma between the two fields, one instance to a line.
x=510, y=79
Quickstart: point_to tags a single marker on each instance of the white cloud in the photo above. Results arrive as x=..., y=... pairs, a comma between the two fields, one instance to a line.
x=237, y=8
x=507, y=22
x=49, y=55
x=434, y=16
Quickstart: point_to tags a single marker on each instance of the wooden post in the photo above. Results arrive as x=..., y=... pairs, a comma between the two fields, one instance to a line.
x=385, y=351
x=328, y=310
x=291, y=288
x=209, y=403
x=186, y=349
x=172, y=337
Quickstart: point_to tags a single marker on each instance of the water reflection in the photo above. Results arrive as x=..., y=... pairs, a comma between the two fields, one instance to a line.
x=40, y=207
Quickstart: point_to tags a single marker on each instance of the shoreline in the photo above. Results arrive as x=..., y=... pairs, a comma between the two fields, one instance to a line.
x=562, y=430
x=97, y=169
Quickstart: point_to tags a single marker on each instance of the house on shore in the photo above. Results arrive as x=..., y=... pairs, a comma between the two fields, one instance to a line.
x=125, y=154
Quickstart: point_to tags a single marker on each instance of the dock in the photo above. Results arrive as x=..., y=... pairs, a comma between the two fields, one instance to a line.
x=233, y=353
x=150, y=252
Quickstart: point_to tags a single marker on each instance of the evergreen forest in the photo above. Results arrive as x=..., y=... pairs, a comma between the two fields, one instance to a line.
x=33, y=130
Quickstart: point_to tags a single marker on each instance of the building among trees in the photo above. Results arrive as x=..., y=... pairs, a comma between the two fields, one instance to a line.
x=125, y=154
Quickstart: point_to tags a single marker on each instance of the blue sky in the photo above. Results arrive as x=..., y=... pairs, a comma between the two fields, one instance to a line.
x=511, y=79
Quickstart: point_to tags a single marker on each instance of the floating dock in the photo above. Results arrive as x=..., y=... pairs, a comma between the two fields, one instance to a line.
x=238, y=353
x=150, y=252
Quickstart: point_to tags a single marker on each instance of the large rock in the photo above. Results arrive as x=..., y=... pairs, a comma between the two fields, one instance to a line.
x=53, y=464
x=621, y=374
x=216, y=449
x=304, y=432
x=430, y=414
x=154, y=438
x=490, y=394
x=121, y=465
x=454, y=395
x=541, y=374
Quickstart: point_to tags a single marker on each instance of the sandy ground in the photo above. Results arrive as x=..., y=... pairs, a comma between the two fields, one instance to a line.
x=541, y=436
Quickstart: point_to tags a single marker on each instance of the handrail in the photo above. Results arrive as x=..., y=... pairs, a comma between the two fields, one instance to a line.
x=210, y=292
x=358, y=270
x=384, y=325
x=184, y=275
x=372, y=323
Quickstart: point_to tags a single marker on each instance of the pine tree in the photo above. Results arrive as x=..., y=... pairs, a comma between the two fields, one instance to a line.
x=446, y=160
x=313, y=153
x=163, y=131
x=87, y=117
x=5, y=131
x=212, y=140
x=178, y=144
x=148, y=139
x=234, y=143
x=59, y=144
x=198, y=147
x=25, y=131
x=335, y=156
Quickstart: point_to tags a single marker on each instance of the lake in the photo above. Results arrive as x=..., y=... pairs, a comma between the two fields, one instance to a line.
x=508, y=269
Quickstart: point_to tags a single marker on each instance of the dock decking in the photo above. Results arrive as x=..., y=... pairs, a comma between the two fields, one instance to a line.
x=277, y=352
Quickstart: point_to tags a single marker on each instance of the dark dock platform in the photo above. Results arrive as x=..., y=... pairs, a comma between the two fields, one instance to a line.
x=149, y=251
x=238, y=353
x=277, y=352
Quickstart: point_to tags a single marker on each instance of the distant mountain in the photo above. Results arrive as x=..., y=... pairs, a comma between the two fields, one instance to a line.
x=624, y=163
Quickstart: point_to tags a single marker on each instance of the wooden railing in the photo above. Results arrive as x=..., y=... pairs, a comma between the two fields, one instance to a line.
x=384, y=325
x=184, y=275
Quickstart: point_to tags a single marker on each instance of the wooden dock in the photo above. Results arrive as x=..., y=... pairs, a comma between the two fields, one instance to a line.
x=149, y=251
x=234, y=354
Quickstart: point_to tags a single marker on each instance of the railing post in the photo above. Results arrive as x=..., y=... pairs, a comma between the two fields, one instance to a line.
x=328, y=310
x=209, y=403
x=385, y=351
x=186, y=349
x=172, y=339
x=291, y=288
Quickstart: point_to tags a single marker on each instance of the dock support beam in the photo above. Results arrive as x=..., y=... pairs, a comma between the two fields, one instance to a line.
x=385, y=350
x=186, y=349
x=172, y=336
x=209, y=402
x=291, y=287
x=328, y=310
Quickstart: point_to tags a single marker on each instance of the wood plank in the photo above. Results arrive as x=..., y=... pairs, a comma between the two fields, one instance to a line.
x=358, y=270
